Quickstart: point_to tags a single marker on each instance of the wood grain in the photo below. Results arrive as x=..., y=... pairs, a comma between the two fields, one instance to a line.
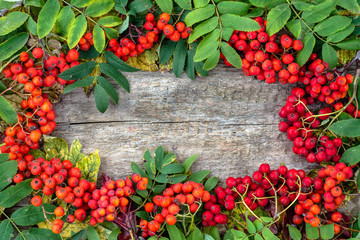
x=228, y=119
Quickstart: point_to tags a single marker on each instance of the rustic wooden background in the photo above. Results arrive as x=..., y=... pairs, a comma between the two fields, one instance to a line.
x=228, y=119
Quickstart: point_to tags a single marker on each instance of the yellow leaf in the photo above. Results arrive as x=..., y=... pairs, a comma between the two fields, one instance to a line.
x=89, y=166
x=69, y=229
x=146, y=61
x=55, y=147
x=103, y=232
x=345, y=56
x=75, y=154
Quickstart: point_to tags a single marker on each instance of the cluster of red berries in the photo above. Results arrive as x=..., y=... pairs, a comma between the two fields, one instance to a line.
x=112, y=198
x=326, y=193
x=63, y=180
x=256, y=191
x=86, y=41
x=39, y=115
x=181, y=198
x=301, y=125
x=264, y=57
x=125, y=47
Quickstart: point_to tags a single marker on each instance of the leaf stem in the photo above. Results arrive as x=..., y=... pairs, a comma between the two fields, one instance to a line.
x=13, y=223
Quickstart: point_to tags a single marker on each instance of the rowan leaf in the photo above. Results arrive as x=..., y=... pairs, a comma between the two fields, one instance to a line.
x=277, y=18
x=199, y=15
x=165, y=5
x=101, y=98
x=11, y=22
x=327, y=27
x=304, y=54
x=239, y=23
x=231, y=55
x=99, y=8
x=99, y=38
x=329, y=55
x=47, y=17
x=76, y=31
x=7, y=112
x=12, y=45
x=63, y=21
x=237, y=8
x=204, y=28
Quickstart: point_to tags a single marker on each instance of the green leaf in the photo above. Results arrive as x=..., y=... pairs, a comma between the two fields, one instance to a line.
x=250, y=226
x=199, y=69
x=37, y=153
x=211, y=183
x=117, y=63
x=268, y=235
x=206, y=51
x=12, y=45
x=258, y=237
x=85, y=82
x=341, y=35
x=6, y=230
x=199, y=176
x=327, y=27
x=140, y=5
x=6, y=5
x=63, y=21
x=79, y=235
x=111, y=33
x=110, y=90
x=346, y=128
x=110, y=21
x=35, y=3
x=190, y=65
x=317, y=13
x=188, y=162
x=165, y=5
x=90, y=165
x=199, y=15
x=99, y=38
x=159, y=157
x=208, y=46
x=311, y=232
x=257, y=12
x=258, y=225
x=7, y=113
x=239, y=234
x=344, y=116
x=200, y=3
x=179, y=57
x=294, y=27
x=166, y=50
x=11, y=195
x=351, y=5
x=231, y=55
x=78, y=71
x=11, y=22
x=327, y=231
x=4, y=157
x=329, y=55
x=163, y=178
x=185, y=4
x=204, y=28
x=92, y=234
x=300, y=5
x=169, y=158
x=174, y=232
x=261, y=3
x=76, y=31
x=31, y=215
x=351, y=156
x=353, y=44
x=237, y=8
x=295, y=234
x=112, y=72
x=239, y=23
x=114, y=234
x=89, y=54
x=304, y=54
x=32, y=26
x=196, y=234
x=82, y=3
x=277, y=18
x=172, y=168
x=124, y=25
x=8, y=170
x=47, y=17
x=214, y=232
x=101, y=98
x=227, y=32
x=137, y=169
x=40, y=234
x=99, y=8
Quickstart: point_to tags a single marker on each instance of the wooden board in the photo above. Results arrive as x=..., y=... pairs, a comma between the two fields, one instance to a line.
x=228, y=119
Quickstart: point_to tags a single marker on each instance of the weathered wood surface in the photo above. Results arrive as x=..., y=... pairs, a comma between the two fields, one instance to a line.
x=228, y=119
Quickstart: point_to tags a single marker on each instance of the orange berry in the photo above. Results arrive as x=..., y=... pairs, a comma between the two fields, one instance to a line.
x=59, y=211
x=170, y=219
